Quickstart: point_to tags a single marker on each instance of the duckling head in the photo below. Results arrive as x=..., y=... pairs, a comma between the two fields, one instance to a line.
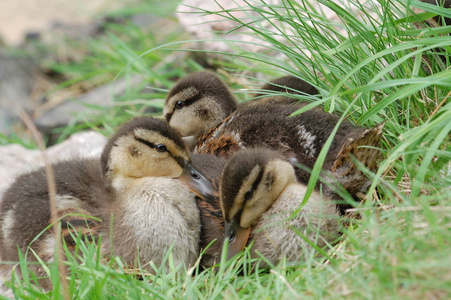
x=252, y=180
x=197, y=103
x=144, y=147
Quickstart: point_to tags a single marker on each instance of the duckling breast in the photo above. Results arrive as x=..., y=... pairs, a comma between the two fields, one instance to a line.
x=156, y=214
x=277, y=236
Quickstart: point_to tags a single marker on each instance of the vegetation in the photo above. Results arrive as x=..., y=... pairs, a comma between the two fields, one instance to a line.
x=378, y=62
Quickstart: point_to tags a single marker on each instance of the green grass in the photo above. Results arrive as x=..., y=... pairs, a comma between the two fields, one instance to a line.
x=395, y=244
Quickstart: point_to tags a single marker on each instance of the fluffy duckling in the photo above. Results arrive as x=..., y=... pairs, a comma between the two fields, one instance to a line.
x=267, y=122
x=153, y=211
x=259, y=192
x=25, y=211
x=200, y=101
x=135, y=182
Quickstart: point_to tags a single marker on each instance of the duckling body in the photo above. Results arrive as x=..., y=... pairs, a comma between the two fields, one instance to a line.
x=26, y=201
x=201, y=101
x=133, y=182
x=153, y=210
x=258, y=194
x=273, y=235
x=299, y=138
x=146, y=220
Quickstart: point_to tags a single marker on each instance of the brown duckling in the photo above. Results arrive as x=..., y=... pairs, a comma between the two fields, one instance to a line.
x=134, y=182
x=202, y=177
x=25, y=211
x=259, y=192
x=267, y=122
x=287, y=84
x=200, y=101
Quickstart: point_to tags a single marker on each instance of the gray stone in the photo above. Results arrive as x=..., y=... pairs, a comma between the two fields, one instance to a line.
x=219, y=32
x=18, y=17
x=17, y=81
x=211, y=27
x=15, y=159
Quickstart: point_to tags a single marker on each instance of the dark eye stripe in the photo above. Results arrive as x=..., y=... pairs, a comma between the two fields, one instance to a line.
x=152, y=145
x=179, y=160
x=257, y=180
x=187, y=102
x=193, y=99
x=168, y=117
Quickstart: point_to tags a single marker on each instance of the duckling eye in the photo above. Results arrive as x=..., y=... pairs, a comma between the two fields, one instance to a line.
x=195, y=175
x=179, y=104
x=161, y=148
x=248, y=194
x=232, y=236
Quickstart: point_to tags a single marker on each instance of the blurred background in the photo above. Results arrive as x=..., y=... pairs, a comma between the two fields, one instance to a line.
x=56, y=55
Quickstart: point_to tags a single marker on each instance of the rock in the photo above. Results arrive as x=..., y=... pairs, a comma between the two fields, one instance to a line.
x=103, y=96
x=210, y=27
x=15, y=159
x=198, y=19
x=18, y=78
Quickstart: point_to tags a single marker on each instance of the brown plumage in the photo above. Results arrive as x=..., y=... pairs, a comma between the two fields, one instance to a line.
x=197, y=103
x=208, y=167
x=25, y=210
x=266, y=122
x=200, y=101
x=287, y=84
x=299, y=138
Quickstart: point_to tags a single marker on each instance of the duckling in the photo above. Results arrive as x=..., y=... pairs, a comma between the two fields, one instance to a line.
x=153, y=210
x=287, y=84
x=268, y=122
x=258, y=193
x=200, y=101
x=202, y=177
x=135, y=182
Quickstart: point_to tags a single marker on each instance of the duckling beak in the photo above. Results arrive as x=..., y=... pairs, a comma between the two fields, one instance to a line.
x=199, y=184
x=237, y=236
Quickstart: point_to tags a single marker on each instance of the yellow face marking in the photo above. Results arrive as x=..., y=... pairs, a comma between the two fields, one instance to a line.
x=156, y=138
x=238, y=202
x=131, y=158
